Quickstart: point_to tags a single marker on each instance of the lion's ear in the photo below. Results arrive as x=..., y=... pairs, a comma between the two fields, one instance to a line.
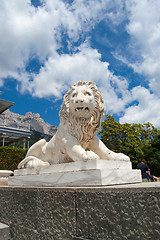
x=100, y=101
x=102, y=105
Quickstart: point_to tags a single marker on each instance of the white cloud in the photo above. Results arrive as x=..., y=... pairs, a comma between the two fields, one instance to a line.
x=144, y=28
x=63, y=70
x=25, y=31
x=28, y=32
x=144, y=57
x=146, y=109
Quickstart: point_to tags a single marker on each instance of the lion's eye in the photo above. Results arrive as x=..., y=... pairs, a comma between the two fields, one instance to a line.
x=74, y=95
x=87, y=93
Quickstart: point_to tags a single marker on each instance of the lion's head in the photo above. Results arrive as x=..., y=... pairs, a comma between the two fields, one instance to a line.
x=83, y=107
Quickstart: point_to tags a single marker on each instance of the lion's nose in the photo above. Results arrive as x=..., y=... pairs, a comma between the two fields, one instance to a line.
x=80, y=98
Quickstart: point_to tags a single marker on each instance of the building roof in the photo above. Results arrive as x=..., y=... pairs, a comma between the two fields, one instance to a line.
x=12, y=135
x=4, y=105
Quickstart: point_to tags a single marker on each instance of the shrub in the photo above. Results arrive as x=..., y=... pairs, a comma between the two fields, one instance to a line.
x=10, y=157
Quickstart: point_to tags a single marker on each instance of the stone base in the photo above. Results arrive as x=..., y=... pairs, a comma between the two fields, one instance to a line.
x=3, y=181
x=90, y=173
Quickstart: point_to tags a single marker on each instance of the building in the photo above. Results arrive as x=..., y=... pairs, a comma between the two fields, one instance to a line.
x=10, y=135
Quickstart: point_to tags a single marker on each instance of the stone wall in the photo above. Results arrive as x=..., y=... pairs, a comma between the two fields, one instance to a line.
x=106, y=213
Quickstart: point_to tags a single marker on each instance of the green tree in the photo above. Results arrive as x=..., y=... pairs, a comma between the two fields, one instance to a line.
x=130, y=139
x=152, y=155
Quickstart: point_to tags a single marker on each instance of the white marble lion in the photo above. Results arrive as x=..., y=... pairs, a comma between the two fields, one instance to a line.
x=76, y=137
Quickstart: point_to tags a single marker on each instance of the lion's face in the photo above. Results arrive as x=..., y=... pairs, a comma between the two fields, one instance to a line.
x=82, y=105
x=82, y=101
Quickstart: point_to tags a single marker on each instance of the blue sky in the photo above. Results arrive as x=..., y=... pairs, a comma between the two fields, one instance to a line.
x=46, y=46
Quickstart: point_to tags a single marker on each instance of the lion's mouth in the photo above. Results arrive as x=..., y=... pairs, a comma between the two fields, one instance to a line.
x=80, y=109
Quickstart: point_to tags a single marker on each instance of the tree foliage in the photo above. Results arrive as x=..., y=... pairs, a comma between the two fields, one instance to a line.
x=130, y=139
x=152, y=154
x=11, y=157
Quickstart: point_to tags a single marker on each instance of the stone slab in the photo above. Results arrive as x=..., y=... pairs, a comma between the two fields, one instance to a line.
x=76, y=166
x=96, y=177
x=5, y=173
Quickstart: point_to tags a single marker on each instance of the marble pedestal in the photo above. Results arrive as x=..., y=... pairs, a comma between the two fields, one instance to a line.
x=90, y=173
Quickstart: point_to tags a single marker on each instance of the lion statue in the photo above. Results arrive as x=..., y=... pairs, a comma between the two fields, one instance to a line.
x=76, y=137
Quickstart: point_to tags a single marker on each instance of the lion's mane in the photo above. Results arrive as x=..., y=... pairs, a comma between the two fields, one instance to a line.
x=81, y=128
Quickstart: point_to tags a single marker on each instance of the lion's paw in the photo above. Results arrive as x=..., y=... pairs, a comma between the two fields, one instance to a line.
x=91, y=155
x=36, y=163
x=123, y=157
x=32, y=162
x=118, y=156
